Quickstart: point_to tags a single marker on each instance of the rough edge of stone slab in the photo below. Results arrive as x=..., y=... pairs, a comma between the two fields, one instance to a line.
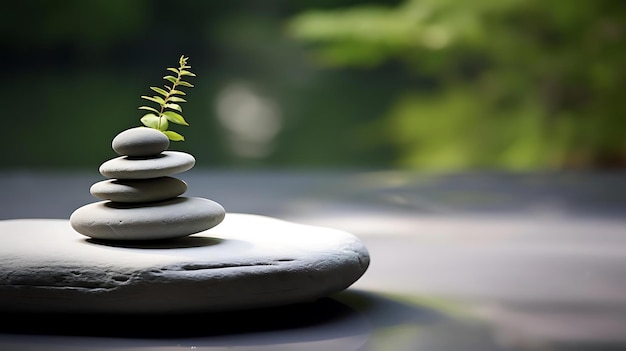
x=248, y=261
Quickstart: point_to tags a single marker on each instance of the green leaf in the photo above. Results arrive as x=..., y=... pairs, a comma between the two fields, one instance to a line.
x=150, y=120
x=160, y=91
x=174, y=107
x=161, y=119
x=187, y=73
x=156, y=99
x=171, y=79
x=176, y=99
x=149, y=109
x=164, y=124
x=175, y=118
x=173, y=136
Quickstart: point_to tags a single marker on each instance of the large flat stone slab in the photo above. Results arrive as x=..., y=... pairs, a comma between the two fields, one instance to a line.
x=247, y=261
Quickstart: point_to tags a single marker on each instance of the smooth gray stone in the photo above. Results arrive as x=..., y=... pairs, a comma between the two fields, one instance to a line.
x=167, y=219
x=140, y=141
x=164, y=164
x=248, y=261
x=138, y=190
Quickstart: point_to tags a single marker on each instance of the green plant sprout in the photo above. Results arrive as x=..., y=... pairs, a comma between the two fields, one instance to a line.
x=170, y=109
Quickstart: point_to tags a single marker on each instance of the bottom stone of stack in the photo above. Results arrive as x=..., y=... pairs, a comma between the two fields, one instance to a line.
x=248, y=261
x=173, y=218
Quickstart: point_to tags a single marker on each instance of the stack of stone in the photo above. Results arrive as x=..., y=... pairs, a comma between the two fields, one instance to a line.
x=141, y=201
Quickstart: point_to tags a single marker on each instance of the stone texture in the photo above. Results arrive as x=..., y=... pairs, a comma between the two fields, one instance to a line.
x=248, y=261
x=140, y=141
x=138, y=190
x=173, y=218
x=164, y=164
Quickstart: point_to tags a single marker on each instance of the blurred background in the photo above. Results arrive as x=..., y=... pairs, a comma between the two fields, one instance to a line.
x=519, y=102
x=429, y=85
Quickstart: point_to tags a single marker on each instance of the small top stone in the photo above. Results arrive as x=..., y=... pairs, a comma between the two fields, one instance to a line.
x=140, y=142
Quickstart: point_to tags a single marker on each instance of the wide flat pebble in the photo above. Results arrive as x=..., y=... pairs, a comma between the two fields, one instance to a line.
x=248, y=261
x=140, y=141
x=164, y=164
x=138, y=190
x=173, y=218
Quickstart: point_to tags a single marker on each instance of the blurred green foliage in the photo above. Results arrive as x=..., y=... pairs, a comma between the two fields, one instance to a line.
x=514, y=84
x=428, y=85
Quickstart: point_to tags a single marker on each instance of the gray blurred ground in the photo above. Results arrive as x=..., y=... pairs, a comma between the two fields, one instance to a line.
x=540, y=259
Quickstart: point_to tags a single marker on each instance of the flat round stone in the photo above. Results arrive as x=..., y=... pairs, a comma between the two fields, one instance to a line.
x=140, y=141
x=164, y=164
x=138, y=190
x=173, y=218
x=248, y=261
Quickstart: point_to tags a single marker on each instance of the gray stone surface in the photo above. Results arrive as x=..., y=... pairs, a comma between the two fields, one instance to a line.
x=537, y=257
x=172, y=218
x=138, y=190
x=164, y=164
x=247, y=261
x=140, y=141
